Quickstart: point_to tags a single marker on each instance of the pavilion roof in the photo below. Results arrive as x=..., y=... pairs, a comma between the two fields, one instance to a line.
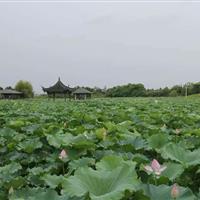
x=81, y=91
x=58, y=87
x=8, y=91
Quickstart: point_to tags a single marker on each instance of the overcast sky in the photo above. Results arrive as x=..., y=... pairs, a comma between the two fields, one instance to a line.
x=99, y=44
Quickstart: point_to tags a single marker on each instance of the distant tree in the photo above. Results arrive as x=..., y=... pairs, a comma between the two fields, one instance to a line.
x=166, y=92
x=173, y=93
x=1, y=88
x=9, y=88
x=129, y=90
x=138, y=90
x=25, y=87
x=179, y=89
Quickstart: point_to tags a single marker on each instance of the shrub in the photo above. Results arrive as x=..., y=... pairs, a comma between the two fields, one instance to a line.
x=25, y=87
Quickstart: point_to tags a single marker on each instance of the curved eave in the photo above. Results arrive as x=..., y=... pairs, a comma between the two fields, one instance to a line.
x=44, y=89
x=60, y=90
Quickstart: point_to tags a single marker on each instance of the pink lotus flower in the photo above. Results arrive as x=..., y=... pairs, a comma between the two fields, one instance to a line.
x=175, y=191
x=155, y=168
x=177, y=131
x=11, y=190
x=65, y=124
x=63, y=154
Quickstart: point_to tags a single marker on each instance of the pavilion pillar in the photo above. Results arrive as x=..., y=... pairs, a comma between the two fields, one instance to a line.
x=70, y=96
x=65, y=97
x=54, y=96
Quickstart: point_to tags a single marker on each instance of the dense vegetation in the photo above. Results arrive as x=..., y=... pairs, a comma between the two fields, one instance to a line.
x=25, y=87
x=100, y=149
x=129, y=90
x=138, y=90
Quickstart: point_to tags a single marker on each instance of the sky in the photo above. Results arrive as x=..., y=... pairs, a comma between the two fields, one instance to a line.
x=102, y=43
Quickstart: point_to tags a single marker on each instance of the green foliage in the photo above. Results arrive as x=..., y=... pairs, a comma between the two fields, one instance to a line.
x=173, y=171
x=37, y=194
x=163, y=192
x=130, y=90
x=173, y=93
x=25, y=87
x=111, y=179
x=157, y=141
x=138, y=90
x=177, y=153
x=108, y=142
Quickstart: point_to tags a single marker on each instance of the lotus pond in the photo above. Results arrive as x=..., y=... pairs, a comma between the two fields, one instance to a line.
x=103, y=149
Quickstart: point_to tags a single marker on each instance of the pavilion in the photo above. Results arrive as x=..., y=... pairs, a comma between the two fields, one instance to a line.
x=82, y=94
x=58, y=89
x=10, y=94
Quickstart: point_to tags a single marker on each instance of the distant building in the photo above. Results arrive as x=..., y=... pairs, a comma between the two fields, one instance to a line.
x=10, y=94
x=82, y=94
x=58, y=89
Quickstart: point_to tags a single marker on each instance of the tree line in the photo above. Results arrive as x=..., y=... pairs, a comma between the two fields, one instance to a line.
x=139, y=90
x=128, y=90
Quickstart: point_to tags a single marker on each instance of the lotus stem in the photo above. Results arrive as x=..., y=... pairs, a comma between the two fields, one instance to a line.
x=63, y=168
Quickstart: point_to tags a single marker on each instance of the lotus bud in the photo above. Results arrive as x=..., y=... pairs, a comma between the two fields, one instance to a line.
x=11, y=190
x=63, y=154
x=155, y=168
x=177, y=131
x=175, y=191
x=164, y=126
x=155, y=165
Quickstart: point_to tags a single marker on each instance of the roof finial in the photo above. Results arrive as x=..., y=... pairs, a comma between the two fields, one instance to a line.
x=59, y=78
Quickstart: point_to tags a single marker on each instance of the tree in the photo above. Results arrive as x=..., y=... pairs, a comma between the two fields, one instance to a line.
x=165, y=92
x=129, y=90
x=25, y=87
x=173, y=93
x=179, y=89
x=9, y=88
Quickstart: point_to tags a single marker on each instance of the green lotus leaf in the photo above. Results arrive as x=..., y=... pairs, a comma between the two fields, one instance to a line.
x=7, y=171
x=163, y=192
x=17, y=124
x=109, y=181
x=157, y=141
x=58, y=140
x=177, y=153
x=110, y=126
x=16, y=182
x=134, y=140
x=33, y=129
x=52, y=180
x=82, y=142
x=101, y=133
x=30, y=145
x=108, y=163
x=82, y=162
x=36, y=170
x=7, y=133
x=173, y=171
x=37, y=194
